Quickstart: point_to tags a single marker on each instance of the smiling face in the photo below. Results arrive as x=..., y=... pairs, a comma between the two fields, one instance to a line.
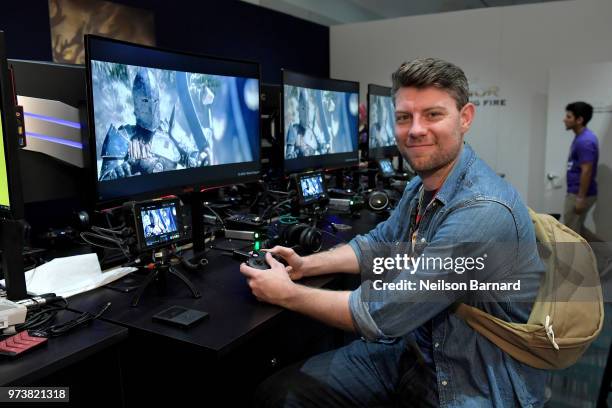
x=429, y=128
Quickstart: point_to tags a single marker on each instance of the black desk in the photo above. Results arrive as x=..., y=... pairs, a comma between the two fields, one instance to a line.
x=241, y=342
x=234, y=312
x=60, y=352
x=81, y=360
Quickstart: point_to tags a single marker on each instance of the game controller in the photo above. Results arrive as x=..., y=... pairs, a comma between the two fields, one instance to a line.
x=257, y=260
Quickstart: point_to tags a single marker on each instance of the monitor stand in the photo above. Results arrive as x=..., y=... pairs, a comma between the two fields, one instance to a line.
x=11, y=237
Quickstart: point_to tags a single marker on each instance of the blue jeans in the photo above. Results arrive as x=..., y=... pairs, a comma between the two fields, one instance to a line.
x=361, y=374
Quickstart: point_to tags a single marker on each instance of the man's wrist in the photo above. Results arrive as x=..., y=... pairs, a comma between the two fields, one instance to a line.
x=308, y=265
x=292, y=296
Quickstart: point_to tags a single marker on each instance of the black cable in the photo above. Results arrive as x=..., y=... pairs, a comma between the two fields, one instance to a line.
x=85, y=235
x=63, y=328
x=107, y=232
x=41, y=317
x=216, y=215
x=274, y=207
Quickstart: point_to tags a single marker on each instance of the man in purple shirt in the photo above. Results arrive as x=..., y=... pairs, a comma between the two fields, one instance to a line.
x=581, y=165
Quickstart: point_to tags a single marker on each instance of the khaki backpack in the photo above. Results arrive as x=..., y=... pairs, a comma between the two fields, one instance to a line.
x=568, y=312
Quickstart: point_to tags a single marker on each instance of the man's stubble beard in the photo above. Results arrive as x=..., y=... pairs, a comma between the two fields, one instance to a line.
x=436, y=162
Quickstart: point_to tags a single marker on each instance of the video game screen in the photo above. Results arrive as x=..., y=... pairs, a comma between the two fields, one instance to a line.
x=320, y=118
x=5, y=202
x=312, y=188
x=381, y=120
x=164, y=120
x=159, y=225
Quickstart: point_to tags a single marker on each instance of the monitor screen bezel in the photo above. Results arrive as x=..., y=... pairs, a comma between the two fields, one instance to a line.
x=327, y=161
x=10, y=139
x=379, y=152
x=99, y=203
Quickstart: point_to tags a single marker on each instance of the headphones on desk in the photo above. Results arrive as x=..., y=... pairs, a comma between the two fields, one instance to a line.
x=378, y=201
x=303, y=235
x=292, y=234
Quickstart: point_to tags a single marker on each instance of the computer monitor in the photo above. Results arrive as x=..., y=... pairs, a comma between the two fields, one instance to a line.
x=320, y=122
x=11, y=202
x=169, y=122
x=381, y=123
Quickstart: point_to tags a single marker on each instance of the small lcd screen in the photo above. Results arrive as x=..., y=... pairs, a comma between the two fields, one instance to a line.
x=159, y=224
x=312, y=188
x=386, y=167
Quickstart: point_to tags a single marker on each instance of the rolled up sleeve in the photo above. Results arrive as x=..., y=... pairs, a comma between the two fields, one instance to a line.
x=394, y=313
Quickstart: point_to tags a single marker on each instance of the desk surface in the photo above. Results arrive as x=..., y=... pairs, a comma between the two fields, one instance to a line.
x=234, y=313
x=60, y=352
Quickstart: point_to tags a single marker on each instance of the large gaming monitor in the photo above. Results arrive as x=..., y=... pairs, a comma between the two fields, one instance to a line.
x=165, y=122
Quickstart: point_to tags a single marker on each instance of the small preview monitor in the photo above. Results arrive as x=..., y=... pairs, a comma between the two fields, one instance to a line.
x=163, y=122
x=381, y=122
x=311, y=188
x=159, y=223
x=320, y=122
x=386, y=167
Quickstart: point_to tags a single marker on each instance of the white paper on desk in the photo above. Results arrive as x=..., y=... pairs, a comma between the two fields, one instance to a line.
x=71, y=275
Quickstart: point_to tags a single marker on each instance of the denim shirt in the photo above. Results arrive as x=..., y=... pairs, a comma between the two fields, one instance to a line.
x=473, y=205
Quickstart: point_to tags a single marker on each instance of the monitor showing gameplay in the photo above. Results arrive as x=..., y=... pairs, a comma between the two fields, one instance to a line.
x=320, y=122
x=165, y=121
x=11, y=200
x=5, y=202
x=381, y=122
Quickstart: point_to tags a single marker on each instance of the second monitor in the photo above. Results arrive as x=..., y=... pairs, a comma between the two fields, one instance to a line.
x=381, y=120
x=320, y=122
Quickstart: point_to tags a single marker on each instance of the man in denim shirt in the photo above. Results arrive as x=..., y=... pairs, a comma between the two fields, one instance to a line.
x=414, y=351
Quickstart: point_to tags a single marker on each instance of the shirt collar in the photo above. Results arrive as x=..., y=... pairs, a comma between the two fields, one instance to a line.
x=451, y=184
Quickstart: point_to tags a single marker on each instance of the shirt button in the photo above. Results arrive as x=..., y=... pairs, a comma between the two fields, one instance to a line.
x=444, y=383
x=436, y=345
x=422, y=239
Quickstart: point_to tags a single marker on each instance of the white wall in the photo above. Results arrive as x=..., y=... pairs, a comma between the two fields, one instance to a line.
x=512, y=48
